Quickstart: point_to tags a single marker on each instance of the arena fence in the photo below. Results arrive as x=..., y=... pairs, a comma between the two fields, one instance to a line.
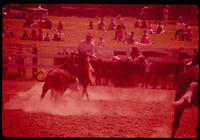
x=109, y=53
x=35, y=56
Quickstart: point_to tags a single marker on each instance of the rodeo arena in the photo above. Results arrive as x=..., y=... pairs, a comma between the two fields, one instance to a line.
x=100, y=70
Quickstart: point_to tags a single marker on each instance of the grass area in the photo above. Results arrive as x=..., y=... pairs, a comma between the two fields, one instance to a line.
x=75, y=29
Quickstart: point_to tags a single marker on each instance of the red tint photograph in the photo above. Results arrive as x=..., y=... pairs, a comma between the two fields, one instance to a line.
x=100, y=70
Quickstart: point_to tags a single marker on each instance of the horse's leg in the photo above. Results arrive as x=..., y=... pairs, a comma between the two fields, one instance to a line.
x=154, y=81
x=85, y=92
x=177, y=115
x=44, y=90
x=53, y=95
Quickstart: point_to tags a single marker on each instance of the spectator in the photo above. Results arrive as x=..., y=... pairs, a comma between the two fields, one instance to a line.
x=120, y=27
x=4, y=29
x=6, y=60
x=47, y=37
x=112, y=25
x=34, y=34
x=132, y=38
x=149, y=28
x=8, y=31
x=189, y=35
x=55, y=38
x=25, y=35
x=144, y=24
x=181, y=27
x=165, y=15
x=159, y=28
x=143, y=14
x=101, y=24
x=137, y=23
x=40, y=35
x=87, y=46
x=182, y=35
x=91, y=25
x=100, y=44
x=145, y=38
x=20, y=60
x=60, y=25
x=129, y=38
x=61, y=36
x=119, y=31
x=29, y=21
x=47, y=23
x=41, y=23
x=26, y=23
x=126, y=37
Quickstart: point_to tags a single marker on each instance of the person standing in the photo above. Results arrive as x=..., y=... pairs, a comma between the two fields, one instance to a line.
x=20, y=60
x=100, y=45
x=181, y=28
x=165, y=15
x=120, y=27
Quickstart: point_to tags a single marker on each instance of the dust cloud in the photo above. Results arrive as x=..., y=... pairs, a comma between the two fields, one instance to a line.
x=70, y=104
x=103, y=100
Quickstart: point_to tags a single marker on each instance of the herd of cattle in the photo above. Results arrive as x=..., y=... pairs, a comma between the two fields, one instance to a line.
x=132, y=72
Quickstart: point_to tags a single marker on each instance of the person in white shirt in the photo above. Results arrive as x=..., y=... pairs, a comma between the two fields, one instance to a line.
x=149, y=28
x=160, y=28
x=60, y=36
x=100, y=45
x=181, y=27
x=86, y=46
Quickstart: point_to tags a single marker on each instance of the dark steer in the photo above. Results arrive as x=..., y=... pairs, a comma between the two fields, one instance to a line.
x=161, y=70
x=57, y=80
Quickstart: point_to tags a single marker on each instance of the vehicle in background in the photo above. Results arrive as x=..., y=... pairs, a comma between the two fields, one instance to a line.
x=20, y=11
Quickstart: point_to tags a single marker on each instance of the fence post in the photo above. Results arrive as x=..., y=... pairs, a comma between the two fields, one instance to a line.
x=34, y=60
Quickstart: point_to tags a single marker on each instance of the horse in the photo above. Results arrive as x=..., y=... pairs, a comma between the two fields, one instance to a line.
x=183, y=85
x=80, y=67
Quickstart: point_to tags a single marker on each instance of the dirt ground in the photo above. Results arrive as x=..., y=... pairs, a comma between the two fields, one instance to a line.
x=111, y=112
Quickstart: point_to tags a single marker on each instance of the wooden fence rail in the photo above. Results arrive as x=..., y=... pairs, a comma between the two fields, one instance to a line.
x=34, y=55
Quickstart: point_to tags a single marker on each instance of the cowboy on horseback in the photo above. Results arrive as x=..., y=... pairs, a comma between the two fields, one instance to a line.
x=85, y=50
x=86, y=46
